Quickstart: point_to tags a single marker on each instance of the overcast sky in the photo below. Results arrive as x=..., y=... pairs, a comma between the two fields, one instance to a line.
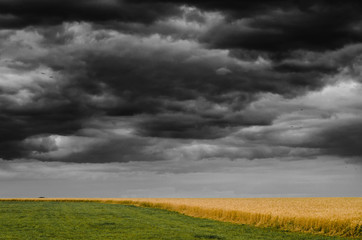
x=136, y=98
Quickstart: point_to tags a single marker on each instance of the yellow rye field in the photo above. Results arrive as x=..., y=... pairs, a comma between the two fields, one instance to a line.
x=329, y=216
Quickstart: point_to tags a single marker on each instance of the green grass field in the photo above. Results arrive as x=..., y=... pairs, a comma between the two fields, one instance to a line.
x=87, y=220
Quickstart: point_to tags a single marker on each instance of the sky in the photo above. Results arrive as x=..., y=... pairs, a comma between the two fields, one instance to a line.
x=186, y=98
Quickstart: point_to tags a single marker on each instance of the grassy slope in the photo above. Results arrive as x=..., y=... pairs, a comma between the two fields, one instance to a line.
x=87, y=220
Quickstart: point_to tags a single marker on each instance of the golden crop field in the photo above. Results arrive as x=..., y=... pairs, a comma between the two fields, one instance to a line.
x=329, y=216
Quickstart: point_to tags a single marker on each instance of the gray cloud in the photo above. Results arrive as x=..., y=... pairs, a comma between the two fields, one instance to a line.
x=340, y=139
x=19, y=13
x=197, y=74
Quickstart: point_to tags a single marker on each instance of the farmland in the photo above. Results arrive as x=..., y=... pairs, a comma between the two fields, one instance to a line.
x=93, y=220
x=326, y=216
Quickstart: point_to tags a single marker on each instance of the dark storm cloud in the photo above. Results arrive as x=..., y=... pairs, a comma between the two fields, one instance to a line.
x=342, y=139
x=278, y=26
x=144, y=81
x=179, y=94
x=273, y=26
x=22, y=124
x=183, y=126
x=193, y=80
x=159, y=86
x=128, y=149
x=302, y=67
x=320, y=27
x=22, y=13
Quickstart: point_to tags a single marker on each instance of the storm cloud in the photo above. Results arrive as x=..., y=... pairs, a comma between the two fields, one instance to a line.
x=133, y=81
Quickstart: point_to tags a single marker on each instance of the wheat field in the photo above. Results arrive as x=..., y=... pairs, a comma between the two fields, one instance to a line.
x=327, y=216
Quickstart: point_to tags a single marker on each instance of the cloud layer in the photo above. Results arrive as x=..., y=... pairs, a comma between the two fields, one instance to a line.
x=181, y=87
